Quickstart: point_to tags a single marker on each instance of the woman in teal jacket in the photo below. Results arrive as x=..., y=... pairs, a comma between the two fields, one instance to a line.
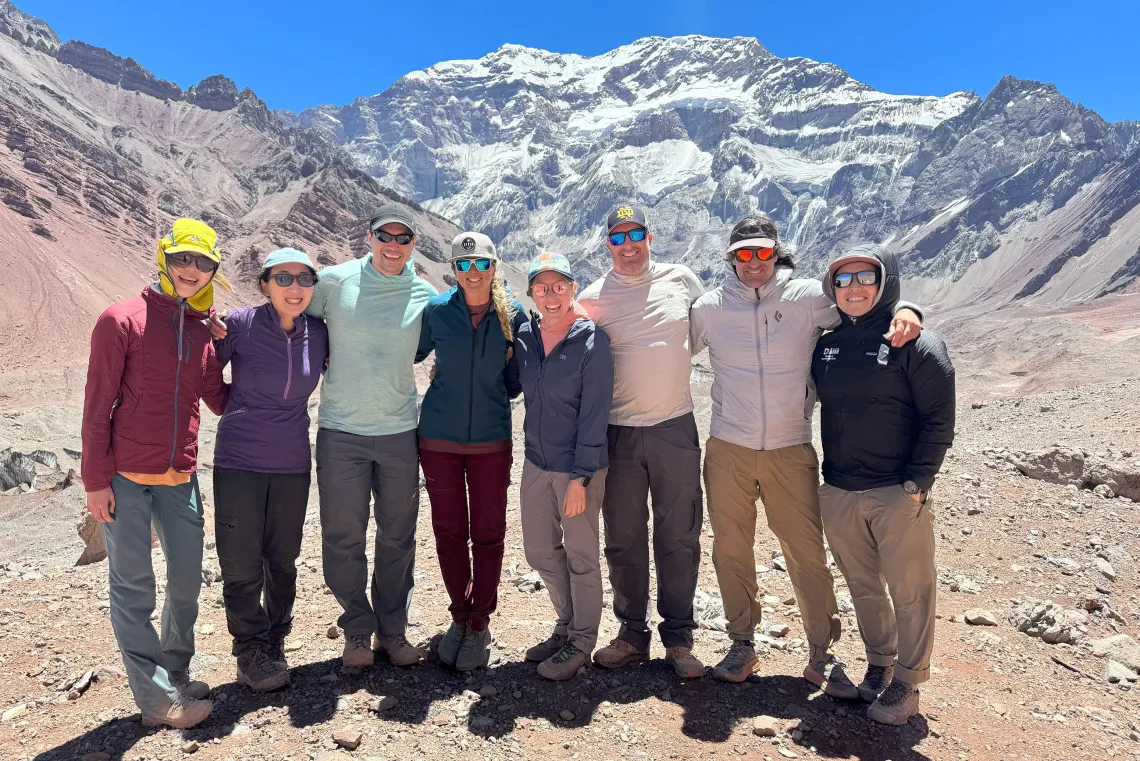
x=465, y=439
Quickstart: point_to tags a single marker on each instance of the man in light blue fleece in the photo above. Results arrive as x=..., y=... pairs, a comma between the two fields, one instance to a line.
x=366, y=441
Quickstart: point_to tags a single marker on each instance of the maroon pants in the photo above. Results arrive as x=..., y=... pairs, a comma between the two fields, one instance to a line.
x=470, y=575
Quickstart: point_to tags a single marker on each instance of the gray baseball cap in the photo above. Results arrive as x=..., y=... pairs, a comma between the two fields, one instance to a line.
x=471, y=245
x=392, y=212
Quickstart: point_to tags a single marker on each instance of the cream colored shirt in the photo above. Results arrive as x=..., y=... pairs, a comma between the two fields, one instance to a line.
x=647, y=320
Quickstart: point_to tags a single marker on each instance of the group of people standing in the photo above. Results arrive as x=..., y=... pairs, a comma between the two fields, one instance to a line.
x=609, y=432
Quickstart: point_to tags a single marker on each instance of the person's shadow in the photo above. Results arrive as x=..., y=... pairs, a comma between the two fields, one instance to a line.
x=712, y=711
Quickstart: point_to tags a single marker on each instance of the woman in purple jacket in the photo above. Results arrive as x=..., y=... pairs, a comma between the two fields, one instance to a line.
x=262, y=463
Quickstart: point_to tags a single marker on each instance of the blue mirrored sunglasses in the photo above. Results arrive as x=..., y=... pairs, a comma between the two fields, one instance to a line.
x=638, y=235
x=464, y=265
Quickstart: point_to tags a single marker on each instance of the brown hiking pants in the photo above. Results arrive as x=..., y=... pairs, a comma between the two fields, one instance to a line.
x=786, y=480
x=883, y=538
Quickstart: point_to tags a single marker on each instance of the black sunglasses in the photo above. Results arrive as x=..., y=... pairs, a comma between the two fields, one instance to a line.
x=464, y=265
x=284, y=279
x=866, y=277
x=180, y=260
x=386, y=237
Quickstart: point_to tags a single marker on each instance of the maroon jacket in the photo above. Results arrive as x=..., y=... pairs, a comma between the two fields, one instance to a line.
x=151, y=361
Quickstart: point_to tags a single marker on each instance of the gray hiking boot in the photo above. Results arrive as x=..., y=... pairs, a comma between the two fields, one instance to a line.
x=897, y=704
x=475, y=650
x=829, y=675
x=739, y=664
x=258, y=671
x=547, y=648
x=564, y=664
x=189, y=688
x=619, y=653
x=451, y=642
x=875, y=681
x=684, y=663
x=183, y=713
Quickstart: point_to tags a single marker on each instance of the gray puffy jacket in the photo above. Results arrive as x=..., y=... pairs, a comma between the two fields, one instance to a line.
x=760, y=344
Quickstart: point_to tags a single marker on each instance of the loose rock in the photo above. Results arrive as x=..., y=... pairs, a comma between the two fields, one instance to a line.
x=348, y=738
x=766, y=726
x=980, y=617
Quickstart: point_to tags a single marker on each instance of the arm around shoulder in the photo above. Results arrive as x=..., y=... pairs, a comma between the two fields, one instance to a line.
x=931, y=377
x=594, y=406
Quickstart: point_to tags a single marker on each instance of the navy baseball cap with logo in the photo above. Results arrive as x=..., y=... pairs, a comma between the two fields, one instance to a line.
x=623, y=214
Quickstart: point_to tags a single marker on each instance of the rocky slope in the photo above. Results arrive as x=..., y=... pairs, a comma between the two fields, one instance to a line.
x=98, y=156
x=535, y=147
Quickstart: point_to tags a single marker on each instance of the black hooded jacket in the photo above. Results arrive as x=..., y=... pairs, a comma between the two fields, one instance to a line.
x=887, y=414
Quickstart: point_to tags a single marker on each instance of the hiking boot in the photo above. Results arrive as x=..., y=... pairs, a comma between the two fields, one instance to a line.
x=357, y=653
x=475, y=650
x=897, y=704
x=564, y=664
x=259, y=672
x=684, y=663
x=739, y=664
x=400, y=651
x=829, y=676
x=875, y=681
x=276, y=652
x=449, y=646
x=547, y=648
x=183, y=713
x=619, y=653
x=187, y=687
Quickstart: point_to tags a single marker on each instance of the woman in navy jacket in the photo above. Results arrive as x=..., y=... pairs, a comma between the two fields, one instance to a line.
x=465, y=439
x=262, y=463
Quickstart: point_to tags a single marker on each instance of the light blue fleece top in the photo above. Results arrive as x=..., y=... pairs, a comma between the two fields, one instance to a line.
x=374, y=328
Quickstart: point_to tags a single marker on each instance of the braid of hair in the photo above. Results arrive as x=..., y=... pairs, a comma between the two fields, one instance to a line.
x=502, y=306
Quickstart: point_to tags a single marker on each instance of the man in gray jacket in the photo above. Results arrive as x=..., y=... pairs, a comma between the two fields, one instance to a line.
x=761, y=326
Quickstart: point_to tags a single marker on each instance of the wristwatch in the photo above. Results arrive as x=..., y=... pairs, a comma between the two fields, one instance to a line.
x=584, y=480
x=910, y=487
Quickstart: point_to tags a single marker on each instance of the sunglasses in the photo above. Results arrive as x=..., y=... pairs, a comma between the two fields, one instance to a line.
x=761, y=254
x=638, y=235
x=305, y=279
x=386, y=237
x=181, y=261
x=464, y=265
x=866, y=277
x=540, y=290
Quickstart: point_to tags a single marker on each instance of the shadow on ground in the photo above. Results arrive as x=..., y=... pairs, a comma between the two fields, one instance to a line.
x=712, y=712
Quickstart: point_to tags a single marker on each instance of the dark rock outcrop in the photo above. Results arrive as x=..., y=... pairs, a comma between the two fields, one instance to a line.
x=215, y=93
x=124, y=72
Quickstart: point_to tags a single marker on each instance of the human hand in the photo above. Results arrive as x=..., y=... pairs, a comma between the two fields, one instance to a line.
x=101, y=505
x=905, y=327
x=574, y=503
x=217, y=327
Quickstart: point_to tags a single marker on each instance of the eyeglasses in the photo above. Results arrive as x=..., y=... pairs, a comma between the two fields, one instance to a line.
x=181, y=261
x=386, y=237
x=464, y=265
x=866, y=277
x=541, y=289
x=305, y=279
x=638, y=235
x=747, y=254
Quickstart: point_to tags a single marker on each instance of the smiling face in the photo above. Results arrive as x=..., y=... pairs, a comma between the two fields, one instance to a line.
x=755, y=273
x=629, y=258
x=389, y=258
x=553, y=306
x=187, y=279
x=290, y=300
x=856, y=299
x=476, y=285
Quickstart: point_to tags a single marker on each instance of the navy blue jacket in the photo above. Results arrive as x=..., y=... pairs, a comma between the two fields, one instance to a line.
x=568, y=397
x=469, y=400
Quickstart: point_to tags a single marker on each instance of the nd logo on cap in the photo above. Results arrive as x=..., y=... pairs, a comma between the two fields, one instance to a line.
x=468, y=244
x=625, y=213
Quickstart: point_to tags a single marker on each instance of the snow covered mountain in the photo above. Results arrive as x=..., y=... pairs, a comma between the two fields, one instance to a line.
x=535, y=147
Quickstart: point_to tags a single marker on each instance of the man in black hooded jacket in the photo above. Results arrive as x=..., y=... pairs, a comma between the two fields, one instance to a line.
x=887, y=421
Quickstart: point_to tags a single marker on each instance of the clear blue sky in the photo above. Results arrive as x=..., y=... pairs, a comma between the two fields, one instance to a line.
x=299, y=54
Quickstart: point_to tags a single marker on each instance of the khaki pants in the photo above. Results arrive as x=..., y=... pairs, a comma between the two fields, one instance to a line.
x=786, y=480
x=882, y=538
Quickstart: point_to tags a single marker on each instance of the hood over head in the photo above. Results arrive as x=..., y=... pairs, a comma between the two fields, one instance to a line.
x=888, y=265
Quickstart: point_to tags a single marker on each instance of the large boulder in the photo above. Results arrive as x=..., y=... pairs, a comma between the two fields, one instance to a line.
x=1121, y=648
